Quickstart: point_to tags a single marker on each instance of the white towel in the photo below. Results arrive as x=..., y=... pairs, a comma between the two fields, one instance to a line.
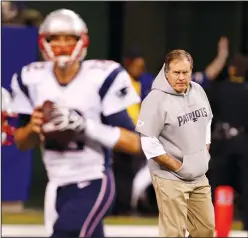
x=50, y=215
x=141, y=182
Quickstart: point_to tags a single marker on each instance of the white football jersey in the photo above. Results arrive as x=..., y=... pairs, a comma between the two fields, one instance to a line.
x=100, y=88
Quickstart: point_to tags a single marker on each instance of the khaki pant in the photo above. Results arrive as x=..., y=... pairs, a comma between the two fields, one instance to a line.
x=184, y=206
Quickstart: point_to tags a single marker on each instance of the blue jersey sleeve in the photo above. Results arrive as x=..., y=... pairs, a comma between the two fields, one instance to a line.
x=120, y=119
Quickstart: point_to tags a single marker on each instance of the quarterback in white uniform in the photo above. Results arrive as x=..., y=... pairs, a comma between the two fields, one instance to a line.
x=91, y=97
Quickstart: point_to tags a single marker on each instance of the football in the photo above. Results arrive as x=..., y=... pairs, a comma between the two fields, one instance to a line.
x=55, y=140
x=47, y=109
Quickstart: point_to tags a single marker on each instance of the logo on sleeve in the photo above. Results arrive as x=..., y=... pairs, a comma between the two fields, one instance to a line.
x=122, y=92
x=140, y=123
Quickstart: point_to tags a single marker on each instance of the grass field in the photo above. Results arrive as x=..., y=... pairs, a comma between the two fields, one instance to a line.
x=30, y=224
x=36, y=218
x=109, y=230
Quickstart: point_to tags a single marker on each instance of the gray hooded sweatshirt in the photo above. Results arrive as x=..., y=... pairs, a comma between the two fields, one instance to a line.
x=179, y=121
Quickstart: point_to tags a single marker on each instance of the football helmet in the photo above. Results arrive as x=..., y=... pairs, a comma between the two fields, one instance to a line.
x=7, y=130
x=63, y=22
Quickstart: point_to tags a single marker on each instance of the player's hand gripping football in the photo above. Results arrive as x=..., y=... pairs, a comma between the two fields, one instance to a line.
x=36, y=122
x=63, y=119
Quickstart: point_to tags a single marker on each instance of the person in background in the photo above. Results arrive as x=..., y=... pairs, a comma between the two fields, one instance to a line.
x=213, y=70
x=134, y=63
x=16, y=13
x=133, y=174
x=142, y=191
x=7, y=130
x=229, y=151
x=174, y=126
x=142, y=80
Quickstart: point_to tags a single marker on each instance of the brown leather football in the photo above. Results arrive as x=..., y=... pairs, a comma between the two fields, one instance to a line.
x=55, y=140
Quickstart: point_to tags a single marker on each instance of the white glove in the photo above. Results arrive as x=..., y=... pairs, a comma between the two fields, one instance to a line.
x=65, y=119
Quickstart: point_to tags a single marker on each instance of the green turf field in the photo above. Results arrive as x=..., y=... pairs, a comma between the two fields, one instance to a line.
x=36, y=218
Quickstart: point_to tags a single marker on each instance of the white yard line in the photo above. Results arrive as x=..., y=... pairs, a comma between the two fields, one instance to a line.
x=110, y=231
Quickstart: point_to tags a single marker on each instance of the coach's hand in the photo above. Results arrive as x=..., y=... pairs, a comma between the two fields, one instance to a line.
x=169, y=162
x=173, y=164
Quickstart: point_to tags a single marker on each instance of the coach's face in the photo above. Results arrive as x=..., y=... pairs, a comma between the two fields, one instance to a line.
x=179, y=74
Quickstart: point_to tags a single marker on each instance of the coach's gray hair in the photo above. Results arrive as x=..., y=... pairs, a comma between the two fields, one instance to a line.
x=177, y=54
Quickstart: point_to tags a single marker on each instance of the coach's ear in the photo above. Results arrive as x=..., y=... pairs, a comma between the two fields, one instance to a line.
x=152, y=115
x=166, y=73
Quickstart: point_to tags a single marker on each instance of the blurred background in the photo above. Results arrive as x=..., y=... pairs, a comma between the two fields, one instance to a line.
x=138, y=35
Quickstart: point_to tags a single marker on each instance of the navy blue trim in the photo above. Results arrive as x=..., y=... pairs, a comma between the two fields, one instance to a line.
x=109, y=81
x=22, y=86
x=120, y=119
x=107, y=158
x=10, y=91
